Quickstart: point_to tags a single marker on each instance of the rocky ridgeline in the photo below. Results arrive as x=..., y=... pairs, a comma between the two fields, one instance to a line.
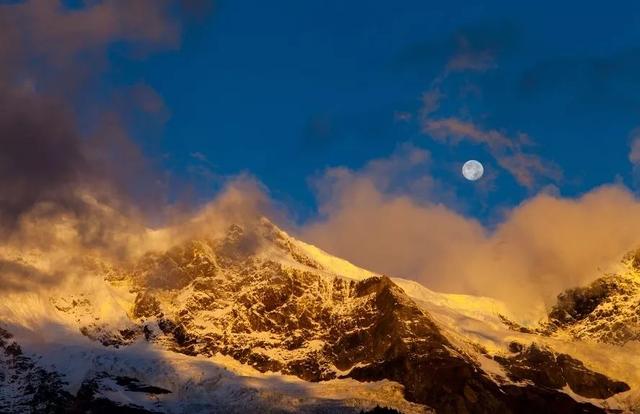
x=289, y=316
x=549, y=369
x=257, y=296
x=607, y=310
x=26, y=387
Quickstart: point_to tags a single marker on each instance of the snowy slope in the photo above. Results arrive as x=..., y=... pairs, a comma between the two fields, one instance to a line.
x=607, y=310
x=255, y=320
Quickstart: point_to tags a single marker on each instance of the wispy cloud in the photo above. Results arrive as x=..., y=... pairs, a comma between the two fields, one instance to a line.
x=475, y=47
x=511, y=151
x=200, y=157
x=508, y=152
x=467, y=57
x=51, y=54
x=634, y=152
x=544, y=245
x=406, y=172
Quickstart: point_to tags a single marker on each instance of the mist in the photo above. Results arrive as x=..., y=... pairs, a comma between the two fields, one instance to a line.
x=540, y=247
x=66, y=193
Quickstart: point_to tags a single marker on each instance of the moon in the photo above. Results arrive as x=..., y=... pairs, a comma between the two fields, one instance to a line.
x=472, y=170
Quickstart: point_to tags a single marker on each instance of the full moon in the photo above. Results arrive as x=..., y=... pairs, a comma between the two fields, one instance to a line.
x=472, y=170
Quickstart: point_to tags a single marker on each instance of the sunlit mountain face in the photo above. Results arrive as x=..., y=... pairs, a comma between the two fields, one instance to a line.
x=247, y=207
x=245, y=318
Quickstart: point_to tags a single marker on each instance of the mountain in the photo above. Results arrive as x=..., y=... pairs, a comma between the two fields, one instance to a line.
x=608, y=310
x=254, y=320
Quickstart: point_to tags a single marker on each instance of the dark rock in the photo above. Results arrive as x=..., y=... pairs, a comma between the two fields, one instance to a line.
x=515, y=347
x=605, y=311
x=576, y=304
x=533, y=400
x=550, y=370
x=134, y=385
x=86, y=401
x=178, y=331
x=370, y=329
x=381, y=410
x=13, y=350
x=146, y=305
x=176, y=268
x=514, y=326
x=586, y=382
x=110, y=338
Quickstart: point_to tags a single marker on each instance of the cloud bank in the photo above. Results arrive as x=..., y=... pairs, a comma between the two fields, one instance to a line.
x=67, y=190
x=475, y=52
x=53, y=58
x=544, y=245
x=67, y=193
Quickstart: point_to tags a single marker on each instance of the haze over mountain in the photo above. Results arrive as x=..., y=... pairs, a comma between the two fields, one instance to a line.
x=231, y=314
x=259, y=208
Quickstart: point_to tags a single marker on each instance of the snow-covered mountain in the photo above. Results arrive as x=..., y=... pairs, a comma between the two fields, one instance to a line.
x=257, y=321
x=608, y=310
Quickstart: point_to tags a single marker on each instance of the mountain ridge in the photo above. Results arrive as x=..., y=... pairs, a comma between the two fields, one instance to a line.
x=283, y=307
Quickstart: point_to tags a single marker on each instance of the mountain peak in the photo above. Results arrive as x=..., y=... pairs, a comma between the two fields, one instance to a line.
x=607, y=310
x=264, y=305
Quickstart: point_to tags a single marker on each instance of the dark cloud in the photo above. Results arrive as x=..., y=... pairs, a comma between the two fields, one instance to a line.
x=49, y=31
x=198, y=9
x=51, y=56
x=42, y=156
x=320, y=130
x=610, y=82
x=16, y=276
x=475, y=46
x=149, y=101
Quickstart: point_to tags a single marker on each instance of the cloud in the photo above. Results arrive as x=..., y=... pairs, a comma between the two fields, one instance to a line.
x=542, y=246
x=401, y=116
x=50, y=246
x=405, y=171
x=431, y=100
x=149, y=101
x=50, y=32
x=456, y=130
x=74, y=185
x=634, y=153
x=526, y=168
x=475, y=49
x=243, y=200
x=509, y=151
x=42, y=156
x=478, y=46
x=17, y=276
x=467, y=57
x=51, y=53
x=603, y=81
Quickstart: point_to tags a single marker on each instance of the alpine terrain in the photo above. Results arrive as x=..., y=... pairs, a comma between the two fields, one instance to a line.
x=253, y=320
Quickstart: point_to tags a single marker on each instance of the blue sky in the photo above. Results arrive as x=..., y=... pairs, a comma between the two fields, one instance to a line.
x=283, y=90
x=356, y=118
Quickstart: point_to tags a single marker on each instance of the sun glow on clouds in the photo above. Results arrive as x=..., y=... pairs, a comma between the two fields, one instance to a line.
x=546, y=244
x=66, y=202
x=542, y=246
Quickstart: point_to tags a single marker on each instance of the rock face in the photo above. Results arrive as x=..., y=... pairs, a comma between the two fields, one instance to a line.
x=219, y=296
x=260, y=298
x=607, y=310
x=547, y=369
x=26, y=387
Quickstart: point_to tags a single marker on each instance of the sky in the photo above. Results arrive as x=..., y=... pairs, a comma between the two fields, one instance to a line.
x=286, y=90
x=347, y=123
